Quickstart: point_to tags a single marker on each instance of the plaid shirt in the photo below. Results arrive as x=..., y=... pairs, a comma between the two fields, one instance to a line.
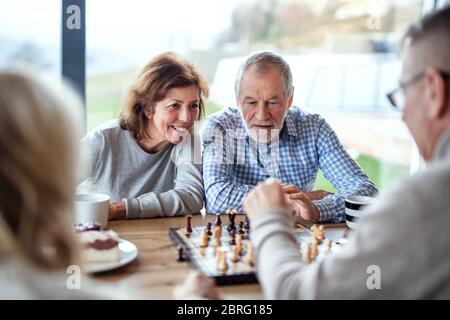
x=233, y=163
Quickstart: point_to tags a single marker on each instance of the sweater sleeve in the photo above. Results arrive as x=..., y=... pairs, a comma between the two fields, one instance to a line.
x=92, y=146
x=376, y=248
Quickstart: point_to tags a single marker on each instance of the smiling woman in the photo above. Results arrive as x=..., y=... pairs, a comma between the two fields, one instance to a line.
x=140, y=160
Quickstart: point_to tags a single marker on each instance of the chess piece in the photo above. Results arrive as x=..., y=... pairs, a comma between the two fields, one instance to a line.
x=180, y=256
x=217, y=232
x=247, y=223
x=239, y=243
x=204, y=239
x=235, y=254
x=321, y=233
x=330, y=244
x=217, y=242
x=222, y=265
x=233, y=239
x=188, y=228
x=241, y=228
x=218, y=221
x=315, y=242
x=318, y=232
x=208, y=229
x=307, y=254
x=314, y=252
x=249, y=256
x=231, y=216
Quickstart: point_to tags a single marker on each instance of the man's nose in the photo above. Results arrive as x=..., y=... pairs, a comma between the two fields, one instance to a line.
x=262, y=113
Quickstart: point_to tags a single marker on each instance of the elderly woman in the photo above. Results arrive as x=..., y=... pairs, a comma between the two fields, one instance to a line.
x=147, y=161
x=37, y=186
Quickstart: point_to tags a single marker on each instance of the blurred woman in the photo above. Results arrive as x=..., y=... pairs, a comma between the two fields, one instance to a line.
x=39, y=255
x=147, y=160
x=38, y=154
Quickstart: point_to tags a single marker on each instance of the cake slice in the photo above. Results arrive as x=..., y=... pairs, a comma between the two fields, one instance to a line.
x=99, y=246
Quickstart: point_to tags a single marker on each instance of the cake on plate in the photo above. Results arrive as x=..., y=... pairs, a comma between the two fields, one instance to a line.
x=99, y=246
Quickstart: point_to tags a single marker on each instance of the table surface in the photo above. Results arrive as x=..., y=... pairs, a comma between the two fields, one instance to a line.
x=155, y=273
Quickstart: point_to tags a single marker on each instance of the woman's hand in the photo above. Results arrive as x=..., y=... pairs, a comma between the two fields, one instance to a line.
x=196, y=286
x=267, y=194
x=117, y=210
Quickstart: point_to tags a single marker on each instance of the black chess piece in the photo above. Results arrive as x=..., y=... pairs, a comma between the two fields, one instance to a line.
x=233, y=238
x=231, y=225
x=208, y=229
x=218, y=221
x=180, y=256
x=247, y=223
x=241, y=228
x=188, y=228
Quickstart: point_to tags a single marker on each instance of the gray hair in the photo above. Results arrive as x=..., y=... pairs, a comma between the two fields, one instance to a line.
x=434, y=31
x=437, y=22
x=262, y=60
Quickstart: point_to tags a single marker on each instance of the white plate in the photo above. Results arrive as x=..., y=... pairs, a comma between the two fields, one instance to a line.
x=128, y=252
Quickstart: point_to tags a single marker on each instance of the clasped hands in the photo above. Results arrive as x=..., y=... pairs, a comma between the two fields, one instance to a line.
x=273, y=194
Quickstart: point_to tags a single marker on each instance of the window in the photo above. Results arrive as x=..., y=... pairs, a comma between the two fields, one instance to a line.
x=30, y=33
x=342, y=53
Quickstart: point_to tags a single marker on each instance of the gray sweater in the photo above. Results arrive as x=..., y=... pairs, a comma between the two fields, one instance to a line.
x=406, y=235
x=166, y=183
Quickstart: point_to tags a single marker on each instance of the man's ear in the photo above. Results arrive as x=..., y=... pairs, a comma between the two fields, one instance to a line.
x=291, y=99
x=435, y=93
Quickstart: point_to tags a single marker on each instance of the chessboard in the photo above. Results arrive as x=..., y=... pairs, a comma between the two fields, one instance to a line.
x=222, y=252
x=225, y=252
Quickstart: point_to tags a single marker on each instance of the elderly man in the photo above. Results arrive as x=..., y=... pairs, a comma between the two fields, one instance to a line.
x=266, y=137
x=401, y=248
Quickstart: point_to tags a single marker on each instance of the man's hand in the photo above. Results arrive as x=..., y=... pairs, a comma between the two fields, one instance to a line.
x=313, y=195
x=301, y=202
x=302, y=207
x=117, y=210
x=267, y=194
x=196, y=286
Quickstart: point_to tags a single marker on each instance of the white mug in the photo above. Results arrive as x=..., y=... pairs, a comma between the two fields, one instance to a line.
x=92, y=208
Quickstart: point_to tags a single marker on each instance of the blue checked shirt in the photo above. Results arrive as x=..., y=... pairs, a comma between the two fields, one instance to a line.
x=233, y=163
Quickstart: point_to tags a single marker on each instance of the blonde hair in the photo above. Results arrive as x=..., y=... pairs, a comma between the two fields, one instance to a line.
x=38, y=152
x=164, y=72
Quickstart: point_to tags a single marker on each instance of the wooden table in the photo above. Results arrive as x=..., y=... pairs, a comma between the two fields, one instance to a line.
x=155, y=273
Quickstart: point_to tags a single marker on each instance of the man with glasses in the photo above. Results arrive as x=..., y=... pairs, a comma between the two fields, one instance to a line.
x=401, y=248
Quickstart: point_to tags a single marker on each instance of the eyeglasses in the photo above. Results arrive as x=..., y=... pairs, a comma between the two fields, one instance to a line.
x=397, y=96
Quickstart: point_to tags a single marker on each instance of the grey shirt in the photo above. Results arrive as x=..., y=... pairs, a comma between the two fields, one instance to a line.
x=406, y=235
x=166, y=183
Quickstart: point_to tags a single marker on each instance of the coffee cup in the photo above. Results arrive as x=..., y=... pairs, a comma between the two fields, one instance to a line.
x=91, y=208
x=354, y=206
